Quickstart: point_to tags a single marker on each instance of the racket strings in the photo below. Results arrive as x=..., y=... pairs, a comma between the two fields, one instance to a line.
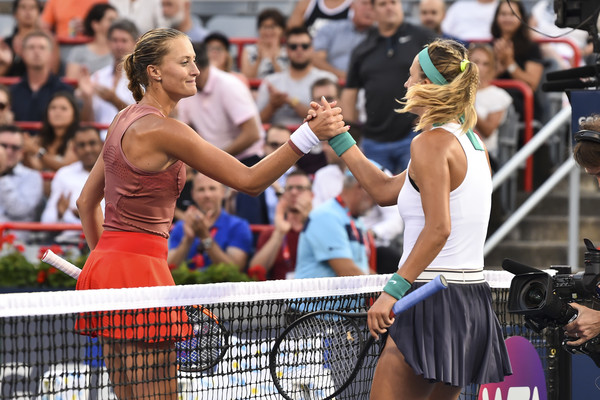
x=205, y=348
x=317, y=356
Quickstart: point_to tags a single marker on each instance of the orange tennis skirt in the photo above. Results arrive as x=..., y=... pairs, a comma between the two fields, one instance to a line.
x=131, y=259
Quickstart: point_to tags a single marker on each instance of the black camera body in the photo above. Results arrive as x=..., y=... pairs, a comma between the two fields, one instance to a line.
x=544, y=299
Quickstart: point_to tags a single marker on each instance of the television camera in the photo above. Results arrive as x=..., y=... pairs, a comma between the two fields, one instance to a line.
x=544, y=299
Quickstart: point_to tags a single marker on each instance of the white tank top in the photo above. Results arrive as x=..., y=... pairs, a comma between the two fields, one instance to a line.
x=470, y=205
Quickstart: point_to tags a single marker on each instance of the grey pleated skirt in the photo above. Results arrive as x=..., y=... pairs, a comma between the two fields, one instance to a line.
x=454, y=337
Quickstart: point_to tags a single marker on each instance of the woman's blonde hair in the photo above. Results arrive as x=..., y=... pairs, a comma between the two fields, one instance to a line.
x=446, y=102
x=149, y=50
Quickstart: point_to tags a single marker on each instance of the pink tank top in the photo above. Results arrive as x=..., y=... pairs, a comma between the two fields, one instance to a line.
x=138, y=200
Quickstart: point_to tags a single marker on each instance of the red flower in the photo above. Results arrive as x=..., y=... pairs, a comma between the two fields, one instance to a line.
x=198, y=261
x=52, y=270
x=41, y=251
x=41, y=276
x=20, y=248
x=56, y=249
x=10, y=238
x=257, y=272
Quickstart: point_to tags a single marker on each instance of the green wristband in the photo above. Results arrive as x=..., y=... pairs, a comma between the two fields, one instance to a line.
x=397, y=286
x=341, y=143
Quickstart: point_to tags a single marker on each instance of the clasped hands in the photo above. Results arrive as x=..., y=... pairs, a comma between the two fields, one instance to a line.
x=326, y=120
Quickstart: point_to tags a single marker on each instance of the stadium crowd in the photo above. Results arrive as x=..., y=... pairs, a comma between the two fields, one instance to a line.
x=62, y=80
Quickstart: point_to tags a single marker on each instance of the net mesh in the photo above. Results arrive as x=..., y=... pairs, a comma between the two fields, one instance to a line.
x=144, y=349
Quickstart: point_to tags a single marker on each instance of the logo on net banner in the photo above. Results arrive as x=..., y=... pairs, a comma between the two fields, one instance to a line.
x=527, y=381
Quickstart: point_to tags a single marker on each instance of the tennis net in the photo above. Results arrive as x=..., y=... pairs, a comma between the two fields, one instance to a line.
x=43, y=356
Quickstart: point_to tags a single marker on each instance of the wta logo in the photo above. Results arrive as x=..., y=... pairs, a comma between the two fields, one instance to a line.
x=527, y=381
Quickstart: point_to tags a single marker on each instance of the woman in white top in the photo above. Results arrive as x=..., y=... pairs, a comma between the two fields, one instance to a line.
x=453, y=338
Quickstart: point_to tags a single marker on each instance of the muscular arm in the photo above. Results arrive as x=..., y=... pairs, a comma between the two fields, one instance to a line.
x=431, y=171
x=88, y=204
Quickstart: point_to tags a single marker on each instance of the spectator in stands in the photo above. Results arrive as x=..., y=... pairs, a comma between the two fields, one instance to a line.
x=53, y=148
x=335, y=40
x=20, y=187
x=431, y=14
x=380, y=66
x=333, y=242
x=283, y=97
x=6, y=115
x=276, y=247
x=145, y=14
x=30, y=97
x=218, y=50
x=69, y=180
x=517, y=55
x=223, y=111
x=268, y=55
x=96, y=54
x=26, y=14
x=314, y=13
x=178, y=15
x=491, y=102
x=105, y=93
x=468, y=20
x=208, y=231
x=65, y=17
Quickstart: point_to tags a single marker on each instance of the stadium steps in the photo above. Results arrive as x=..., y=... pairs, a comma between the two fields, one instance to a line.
x=541, y=239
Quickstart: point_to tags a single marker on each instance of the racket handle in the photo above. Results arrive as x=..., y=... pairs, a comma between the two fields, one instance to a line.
x=50, y=258
x=420, y=294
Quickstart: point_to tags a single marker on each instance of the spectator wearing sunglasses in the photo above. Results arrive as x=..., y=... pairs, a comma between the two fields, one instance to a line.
x=277, y=246
x=6, y=115
x=283, y=97
x=20, y=187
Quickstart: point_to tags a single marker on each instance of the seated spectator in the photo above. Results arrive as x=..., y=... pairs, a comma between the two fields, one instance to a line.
x=96, y=54
x=261, y=209
x=30, y=97
x=178, y=15
x=312, y=14
x=6, y=115
x=145, y=14
x=431, y=14
x=106, y=92
x=333, y=242
x=223, y=111
x=26, y=14
x=268, y=55
x=208, y=231
x=335, y=40
x=491, y=102
x=65, y=17
x=53, y=147
x=517, y=55
x=284, y=97
x=69, y=180
x=217, y=48
x=276, y=248
x=468, y=20
x=20, y=187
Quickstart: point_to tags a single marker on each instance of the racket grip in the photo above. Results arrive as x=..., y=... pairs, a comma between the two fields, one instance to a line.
x=420, y=294
x=50, y=258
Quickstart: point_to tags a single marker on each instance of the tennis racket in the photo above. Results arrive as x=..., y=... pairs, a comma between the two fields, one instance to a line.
x=202, y=352
x=319, y=355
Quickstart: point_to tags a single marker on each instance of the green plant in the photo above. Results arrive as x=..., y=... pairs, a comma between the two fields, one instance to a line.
x=183, y=275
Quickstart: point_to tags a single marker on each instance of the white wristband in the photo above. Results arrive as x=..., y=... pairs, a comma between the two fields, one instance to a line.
x=304, y=138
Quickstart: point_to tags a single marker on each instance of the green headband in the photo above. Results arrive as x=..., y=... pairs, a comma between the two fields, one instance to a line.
x=430, y=70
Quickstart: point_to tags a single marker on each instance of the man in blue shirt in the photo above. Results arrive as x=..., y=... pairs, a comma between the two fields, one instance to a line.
x=334, y=241
x=207, y=234
x=31, y=95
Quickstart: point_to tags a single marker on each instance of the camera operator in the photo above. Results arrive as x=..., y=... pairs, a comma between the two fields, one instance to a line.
x=587, y=155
